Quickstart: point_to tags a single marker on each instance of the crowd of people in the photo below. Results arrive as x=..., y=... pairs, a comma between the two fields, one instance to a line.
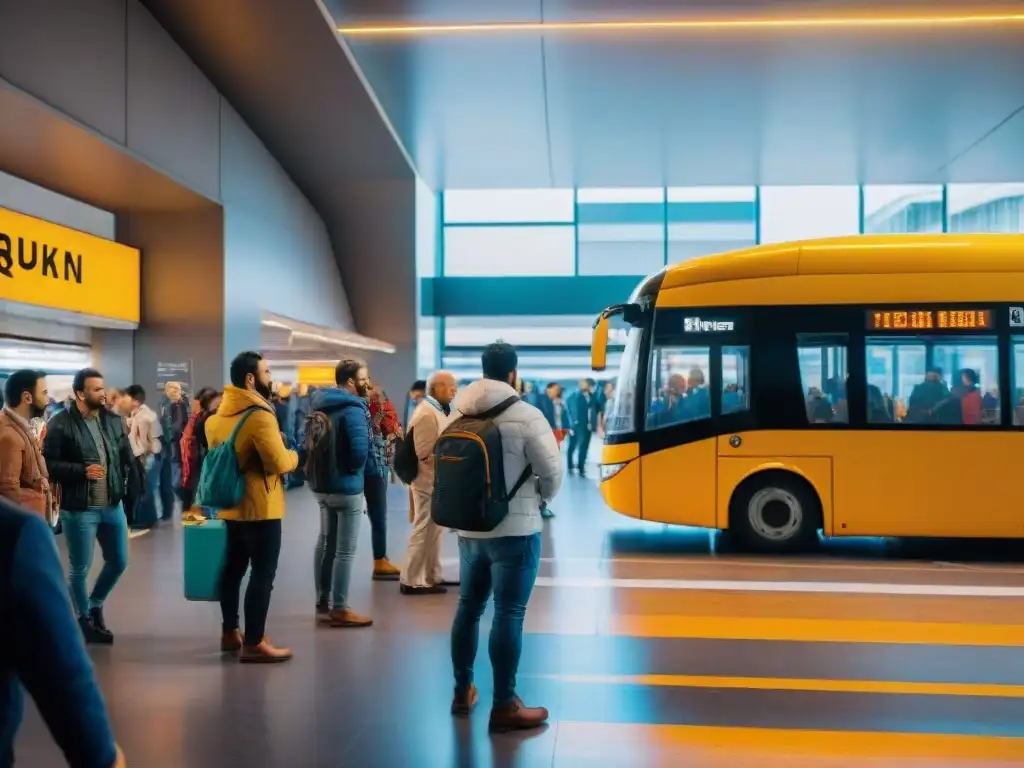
x=106, y=463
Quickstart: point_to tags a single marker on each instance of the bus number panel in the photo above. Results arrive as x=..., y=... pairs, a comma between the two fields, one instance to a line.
x=929, y=319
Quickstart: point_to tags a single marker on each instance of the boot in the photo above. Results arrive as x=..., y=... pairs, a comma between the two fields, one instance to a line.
x=264, y=653
x=96, y=616
x=230, y=641
x=464, y=701
x=323, y=607
x=385, y=570
x=93, y=635
x=517, y=717
x=346, y=619
x=436, y=589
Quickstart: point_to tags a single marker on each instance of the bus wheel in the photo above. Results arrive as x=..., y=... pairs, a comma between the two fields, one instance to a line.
x=776, y=511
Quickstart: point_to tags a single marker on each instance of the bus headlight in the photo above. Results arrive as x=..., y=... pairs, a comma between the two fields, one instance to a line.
x=608, y=471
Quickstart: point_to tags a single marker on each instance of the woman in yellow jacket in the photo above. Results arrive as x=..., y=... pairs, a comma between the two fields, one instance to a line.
x=254, y=527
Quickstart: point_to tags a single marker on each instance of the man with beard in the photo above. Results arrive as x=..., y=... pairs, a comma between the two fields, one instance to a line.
x=23, y=477
x=336, y=467
x=88, y=453
x=254, y=526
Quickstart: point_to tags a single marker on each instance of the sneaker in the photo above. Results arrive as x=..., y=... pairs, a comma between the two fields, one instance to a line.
x=345, y=619
x=385, y=570
x=263, y=653
x=464, y=701
x=436, y=589
x=517, y=717
x=91, y=634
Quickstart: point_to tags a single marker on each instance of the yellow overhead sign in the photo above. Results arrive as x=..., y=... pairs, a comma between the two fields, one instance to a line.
x=60, y=268
x=316, y=375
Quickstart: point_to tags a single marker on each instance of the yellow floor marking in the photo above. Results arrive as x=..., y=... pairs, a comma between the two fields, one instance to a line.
x=814, y=630
x=801, y=684
x=644, y=744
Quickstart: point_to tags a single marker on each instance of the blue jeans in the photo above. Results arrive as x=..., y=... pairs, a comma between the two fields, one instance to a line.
x=375, y=489
x=508, y=567
x=83, y=530
x=145, y=509
x=170, y=477
x=336, y=546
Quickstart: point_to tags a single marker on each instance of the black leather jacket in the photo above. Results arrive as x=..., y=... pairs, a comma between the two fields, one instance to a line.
x=68, y=448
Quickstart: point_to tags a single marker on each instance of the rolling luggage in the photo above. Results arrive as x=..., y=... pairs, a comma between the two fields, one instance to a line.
x=206, y=544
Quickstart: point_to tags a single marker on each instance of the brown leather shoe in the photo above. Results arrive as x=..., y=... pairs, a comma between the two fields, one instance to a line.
x=464, y=701
x=264, y=653
x=517, y=717
x=230, y=642
x=345, y=618
x=385, y=570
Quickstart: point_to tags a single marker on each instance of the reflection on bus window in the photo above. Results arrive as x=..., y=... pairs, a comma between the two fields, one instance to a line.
x=735, y=379
x=1018, y=381
x=822, y=359
x=679, y=386
x=619, y=412
x=933, y=381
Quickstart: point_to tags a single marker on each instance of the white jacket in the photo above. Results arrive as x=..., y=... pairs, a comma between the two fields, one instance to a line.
x=526, y=438
x=145, y=431
x=427, y=422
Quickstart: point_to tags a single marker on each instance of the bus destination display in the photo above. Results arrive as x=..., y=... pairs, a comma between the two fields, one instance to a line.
x=929, y=319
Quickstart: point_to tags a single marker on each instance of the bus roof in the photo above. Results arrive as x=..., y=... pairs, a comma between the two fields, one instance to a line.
x=857, y=255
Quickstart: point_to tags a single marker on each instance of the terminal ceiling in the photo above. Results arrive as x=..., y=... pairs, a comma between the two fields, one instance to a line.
x=681, y=107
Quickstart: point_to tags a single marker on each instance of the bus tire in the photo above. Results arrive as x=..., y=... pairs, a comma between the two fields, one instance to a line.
x=775, y=512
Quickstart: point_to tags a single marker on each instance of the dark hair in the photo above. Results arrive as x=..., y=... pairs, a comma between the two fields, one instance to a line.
x=970, y=374
x=19, y=383
x=206, y=396
x=136, y=392
x=347, y=369
x=78, y=385
x=499, y=360
x=937, y=370
x=244, y=364
x=420, y=385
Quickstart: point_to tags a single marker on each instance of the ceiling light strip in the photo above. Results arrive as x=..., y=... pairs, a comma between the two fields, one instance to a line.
x=839, y=22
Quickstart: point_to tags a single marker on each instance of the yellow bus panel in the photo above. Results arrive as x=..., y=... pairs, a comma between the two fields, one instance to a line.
x=621, y=492
x=679, y=484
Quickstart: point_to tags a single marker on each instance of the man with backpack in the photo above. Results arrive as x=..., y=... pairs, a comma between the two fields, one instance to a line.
x=337, y=453
x=421, y=571
x=495, y=465
x=245, y=424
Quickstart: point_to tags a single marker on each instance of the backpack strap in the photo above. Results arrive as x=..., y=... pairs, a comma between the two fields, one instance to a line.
x=527, y=473
x=245, y=415
x=499, y=409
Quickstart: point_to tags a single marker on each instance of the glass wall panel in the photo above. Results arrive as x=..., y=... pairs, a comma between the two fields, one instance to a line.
x=507, y=250
x=426, y=231
x=522, y=331
x=804, y=213
x=705, y=220
x=985, y=207
x=890, y=208
x=621, y=231
x=484, y=206
x=426, y=346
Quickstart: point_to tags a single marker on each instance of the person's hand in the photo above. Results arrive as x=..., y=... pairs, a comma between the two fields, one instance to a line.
x=95, y=472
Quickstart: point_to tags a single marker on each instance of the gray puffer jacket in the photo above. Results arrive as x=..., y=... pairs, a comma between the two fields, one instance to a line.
x=526, y=438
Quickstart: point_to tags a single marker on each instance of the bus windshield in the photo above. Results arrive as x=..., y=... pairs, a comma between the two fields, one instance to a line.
x=620, y=412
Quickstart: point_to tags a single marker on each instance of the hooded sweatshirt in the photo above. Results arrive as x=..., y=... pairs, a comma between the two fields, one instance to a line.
x=526, y=439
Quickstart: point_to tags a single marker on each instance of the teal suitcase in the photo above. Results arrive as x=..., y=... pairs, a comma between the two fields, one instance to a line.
x=205, y=547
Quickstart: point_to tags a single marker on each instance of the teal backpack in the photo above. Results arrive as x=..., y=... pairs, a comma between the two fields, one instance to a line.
x=221, y=482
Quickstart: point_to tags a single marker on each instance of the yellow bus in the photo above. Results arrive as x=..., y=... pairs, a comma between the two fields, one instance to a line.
x=860, y=386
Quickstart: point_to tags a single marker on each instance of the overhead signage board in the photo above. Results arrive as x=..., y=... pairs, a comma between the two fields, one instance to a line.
x=180, y=372
x=51, y=266
x=930, y=320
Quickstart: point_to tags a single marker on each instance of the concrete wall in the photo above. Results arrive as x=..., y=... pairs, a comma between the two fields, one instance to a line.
x=110, y=66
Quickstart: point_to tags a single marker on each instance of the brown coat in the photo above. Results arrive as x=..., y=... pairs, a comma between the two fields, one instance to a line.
x=23, y=477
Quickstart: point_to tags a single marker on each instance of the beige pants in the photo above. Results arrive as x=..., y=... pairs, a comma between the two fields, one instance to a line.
x=422, y=565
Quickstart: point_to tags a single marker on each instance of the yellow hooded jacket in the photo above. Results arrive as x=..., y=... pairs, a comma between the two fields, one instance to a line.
x=262, y=454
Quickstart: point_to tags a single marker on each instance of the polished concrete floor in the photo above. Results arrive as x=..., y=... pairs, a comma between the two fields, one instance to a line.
x=651, y=646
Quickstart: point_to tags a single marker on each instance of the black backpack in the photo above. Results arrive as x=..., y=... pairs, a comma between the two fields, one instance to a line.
x=405, y=461
x=469, y=473
x=328, y=453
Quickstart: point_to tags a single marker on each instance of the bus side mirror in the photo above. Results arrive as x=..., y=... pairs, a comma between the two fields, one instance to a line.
x=599, y=345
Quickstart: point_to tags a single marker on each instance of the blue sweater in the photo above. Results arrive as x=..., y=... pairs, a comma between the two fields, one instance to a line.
x=41, y=647
x=350, y=418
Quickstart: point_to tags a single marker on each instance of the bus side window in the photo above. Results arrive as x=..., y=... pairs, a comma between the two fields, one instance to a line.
x=941, y=381
x=735, y=379
x=823, y=372
x=679, y=386
x=1017, y=396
